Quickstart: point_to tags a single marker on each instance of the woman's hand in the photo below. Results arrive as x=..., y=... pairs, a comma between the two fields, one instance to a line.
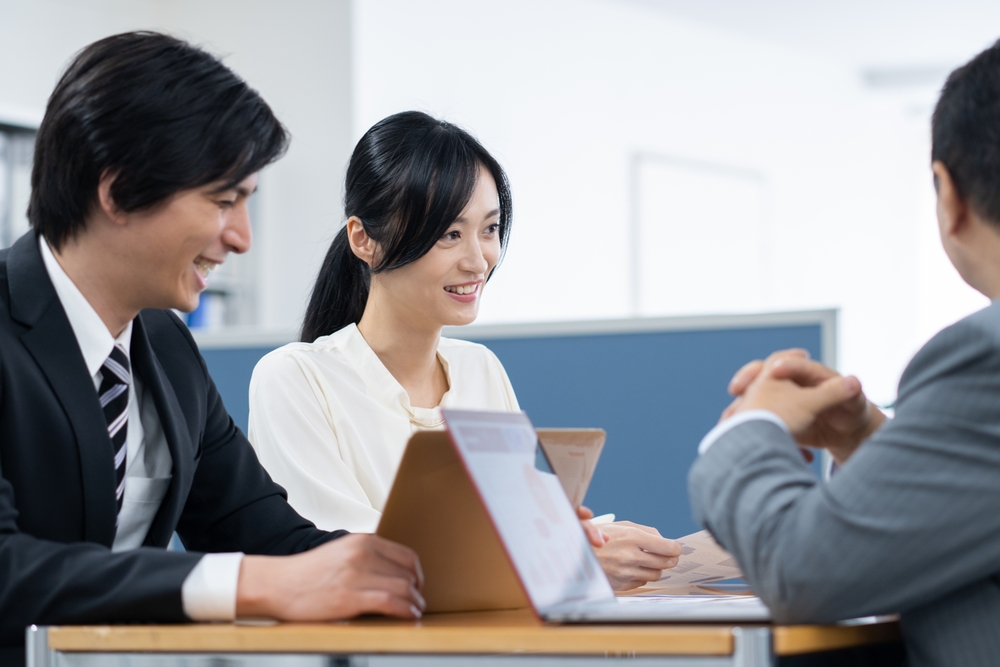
x=594, y=534
x=634, y=555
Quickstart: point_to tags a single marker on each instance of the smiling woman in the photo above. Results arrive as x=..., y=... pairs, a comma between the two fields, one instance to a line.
x=428, y=217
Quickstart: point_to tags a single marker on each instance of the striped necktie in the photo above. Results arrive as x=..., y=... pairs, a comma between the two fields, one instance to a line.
x=113, y=394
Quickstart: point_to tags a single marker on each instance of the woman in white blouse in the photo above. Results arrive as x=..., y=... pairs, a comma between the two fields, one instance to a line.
x=428, y=217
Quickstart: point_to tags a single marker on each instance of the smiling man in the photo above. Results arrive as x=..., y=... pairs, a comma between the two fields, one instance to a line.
x=112, y=434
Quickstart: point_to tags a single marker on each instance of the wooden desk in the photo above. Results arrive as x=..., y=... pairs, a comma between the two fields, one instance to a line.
x=466, y=636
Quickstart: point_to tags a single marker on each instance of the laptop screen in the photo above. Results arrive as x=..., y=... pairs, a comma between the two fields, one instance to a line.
x=529, y=507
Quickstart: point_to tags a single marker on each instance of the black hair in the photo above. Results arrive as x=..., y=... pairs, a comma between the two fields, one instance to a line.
x=158, y=113
x=409, y=178
x=966, y=132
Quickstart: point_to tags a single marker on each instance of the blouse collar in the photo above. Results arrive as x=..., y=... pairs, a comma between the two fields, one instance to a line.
x=380, y=381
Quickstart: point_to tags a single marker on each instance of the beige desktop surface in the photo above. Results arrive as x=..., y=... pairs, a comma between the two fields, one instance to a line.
x=490, y=632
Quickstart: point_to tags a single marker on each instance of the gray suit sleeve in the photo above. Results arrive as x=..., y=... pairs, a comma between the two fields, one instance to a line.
x=913, y=515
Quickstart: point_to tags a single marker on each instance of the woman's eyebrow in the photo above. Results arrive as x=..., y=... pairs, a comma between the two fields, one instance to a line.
x=492, y=214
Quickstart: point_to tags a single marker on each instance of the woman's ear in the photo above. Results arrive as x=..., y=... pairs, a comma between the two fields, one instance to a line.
x=106, y=202
x=362, y=245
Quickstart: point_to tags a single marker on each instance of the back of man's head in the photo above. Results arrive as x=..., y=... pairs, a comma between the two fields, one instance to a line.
x=157, y=113
x=966, y=132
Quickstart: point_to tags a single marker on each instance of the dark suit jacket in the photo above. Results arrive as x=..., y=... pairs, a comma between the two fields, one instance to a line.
x=910, y=524
x=57, y=501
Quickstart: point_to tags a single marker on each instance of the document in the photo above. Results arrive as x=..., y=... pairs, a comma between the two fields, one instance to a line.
x=702, y=563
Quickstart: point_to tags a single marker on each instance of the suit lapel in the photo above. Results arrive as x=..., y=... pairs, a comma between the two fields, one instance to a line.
x=51, y=342
x=174, y=429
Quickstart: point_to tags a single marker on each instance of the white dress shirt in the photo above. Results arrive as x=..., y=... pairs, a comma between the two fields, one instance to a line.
x=725, y=427
x=209, y=591
x=330, y=422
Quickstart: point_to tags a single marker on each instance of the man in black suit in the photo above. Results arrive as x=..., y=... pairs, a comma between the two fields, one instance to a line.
x=112, y=434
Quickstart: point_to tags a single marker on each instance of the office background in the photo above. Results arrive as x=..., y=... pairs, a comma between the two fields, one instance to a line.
x=667, y=158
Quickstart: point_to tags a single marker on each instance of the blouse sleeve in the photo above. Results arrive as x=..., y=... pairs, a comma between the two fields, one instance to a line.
x=292, y=432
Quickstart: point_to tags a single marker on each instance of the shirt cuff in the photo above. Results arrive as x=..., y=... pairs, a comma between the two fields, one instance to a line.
x=209, y=592
x=739, y=418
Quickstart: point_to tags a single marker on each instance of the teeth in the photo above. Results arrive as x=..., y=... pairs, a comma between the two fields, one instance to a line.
x=463, y=289
x=204, y=266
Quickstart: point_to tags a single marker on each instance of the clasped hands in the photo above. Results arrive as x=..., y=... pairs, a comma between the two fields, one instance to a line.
x=821, y=408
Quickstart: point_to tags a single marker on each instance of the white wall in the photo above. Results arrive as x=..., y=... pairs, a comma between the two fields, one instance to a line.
x=564, y=92
x=297, y=54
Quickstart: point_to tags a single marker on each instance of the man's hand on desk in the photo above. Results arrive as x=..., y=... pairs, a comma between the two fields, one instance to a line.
x=355, y=574
x=820, y=407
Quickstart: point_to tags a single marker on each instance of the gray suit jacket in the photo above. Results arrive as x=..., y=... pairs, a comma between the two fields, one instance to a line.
x=910, y=524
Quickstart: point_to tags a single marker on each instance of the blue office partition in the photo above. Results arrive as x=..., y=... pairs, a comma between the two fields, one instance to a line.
x=655, y=385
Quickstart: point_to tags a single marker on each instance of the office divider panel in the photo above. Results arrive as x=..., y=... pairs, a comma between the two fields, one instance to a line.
x=655, y=385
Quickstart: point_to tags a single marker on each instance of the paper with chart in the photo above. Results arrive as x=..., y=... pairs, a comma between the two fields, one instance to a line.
x=702, y=562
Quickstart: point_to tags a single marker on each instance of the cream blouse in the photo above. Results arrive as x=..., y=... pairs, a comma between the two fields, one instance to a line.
x=329, y=422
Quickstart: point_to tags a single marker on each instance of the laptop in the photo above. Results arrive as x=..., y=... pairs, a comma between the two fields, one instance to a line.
x=494, y=529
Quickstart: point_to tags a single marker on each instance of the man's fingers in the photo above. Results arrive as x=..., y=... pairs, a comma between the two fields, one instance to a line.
x=746, y=375
x=803, y=372
x=399, y=587
x=374, y=601
x=832, y=392
x=730, y=410
x=376, y=564
x=790, y=353
x=397, y=554
x=743, y=377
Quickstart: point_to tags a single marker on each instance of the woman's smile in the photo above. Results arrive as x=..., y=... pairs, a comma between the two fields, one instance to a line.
x=466, y=292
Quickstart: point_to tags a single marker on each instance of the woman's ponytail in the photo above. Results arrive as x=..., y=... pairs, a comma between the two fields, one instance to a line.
x=340, y=293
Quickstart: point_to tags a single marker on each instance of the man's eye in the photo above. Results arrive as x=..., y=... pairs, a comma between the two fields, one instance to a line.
x=226, y=203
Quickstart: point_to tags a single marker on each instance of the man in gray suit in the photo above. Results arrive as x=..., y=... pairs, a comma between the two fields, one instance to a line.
x=910, y=522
